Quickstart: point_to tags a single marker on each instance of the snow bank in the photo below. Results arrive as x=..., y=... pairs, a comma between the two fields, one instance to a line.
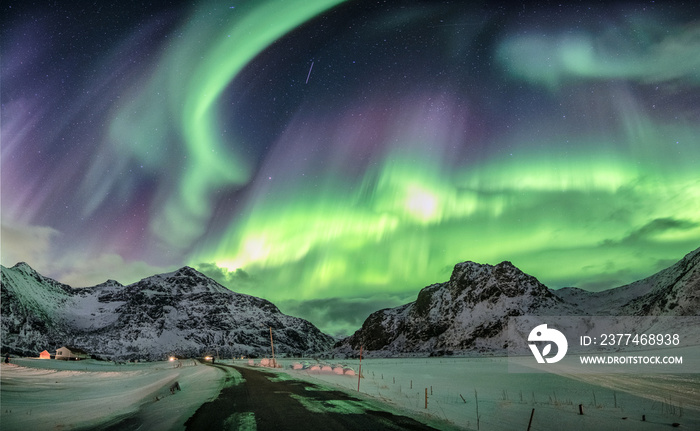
x=41, y=394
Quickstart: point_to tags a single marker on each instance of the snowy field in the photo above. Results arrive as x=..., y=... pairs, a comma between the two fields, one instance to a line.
x=60, y=395
x=506, y=400
x=48, y=394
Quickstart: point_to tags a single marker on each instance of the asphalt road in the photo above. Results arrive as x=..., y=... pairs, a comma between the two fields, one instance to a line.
x=266, y=401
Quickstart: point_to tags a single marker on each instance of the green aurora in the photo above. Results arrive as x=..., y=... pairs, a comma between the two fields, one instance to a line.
x=336, y=158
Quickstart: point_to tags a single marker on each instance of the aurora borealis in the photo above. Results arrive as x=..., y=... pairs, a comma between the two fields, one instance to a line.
x=336, y=157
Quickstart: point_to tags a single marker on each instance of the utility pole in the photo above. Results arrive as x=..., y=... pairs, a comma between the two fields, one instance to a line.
x=274, y=363
x=359, y=372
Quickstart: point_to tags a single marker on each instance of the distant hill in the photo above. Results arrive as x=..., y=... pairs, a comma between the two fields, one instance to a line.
x=180, y=313
x=674, y=291
x=469, y=313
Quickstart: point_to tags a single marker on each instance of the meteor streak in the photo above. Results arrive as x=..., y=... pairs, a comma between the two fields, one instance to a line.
x=307, y=76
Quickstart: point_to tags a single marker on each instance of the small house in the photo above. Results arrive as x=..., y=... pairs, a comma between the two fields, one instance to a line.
x=69, y=353
x=45, y=355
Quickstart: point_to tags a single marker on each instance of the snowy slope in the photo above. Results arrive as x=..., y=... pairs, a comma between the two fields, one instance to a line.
x=674, y=291
x=183, y=313
x=32, y=309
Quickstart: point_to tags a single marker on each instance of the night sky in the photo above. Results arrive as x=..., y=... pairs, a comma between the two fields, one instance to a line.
x=335, y=157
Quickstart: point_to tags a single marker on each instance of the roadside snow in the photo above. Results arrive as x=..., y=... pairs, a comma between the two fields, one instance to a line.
x=50, y=394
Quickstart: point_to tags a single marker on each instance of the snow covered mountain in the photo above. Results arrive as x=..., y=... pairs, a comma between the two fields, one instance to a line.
x=471, y=310
x=468, y=312
x=182, y=313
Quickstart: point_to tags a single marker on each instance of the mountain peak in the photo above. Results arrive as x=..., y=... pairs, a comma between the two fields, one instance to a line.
x=468, y=312
x=188, y=271
x=24, y=267
x=183, y=280
x=109, y=283
x=25, y=270
x=489, y=281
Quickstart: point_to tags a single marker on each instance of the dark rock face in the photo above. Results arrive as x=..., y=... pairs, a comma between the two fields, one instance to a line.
x=183, y=313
